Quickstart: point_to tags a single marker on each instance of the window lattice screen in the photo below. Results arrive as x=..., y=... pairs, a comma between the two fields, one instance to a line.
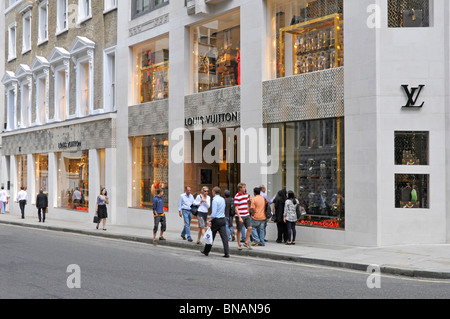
x=408, y=13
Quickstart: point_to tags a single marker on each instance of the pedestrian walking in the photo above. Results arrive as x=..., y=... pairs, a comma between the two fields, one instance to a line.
x=203, y=200
x=290, y=217
x=243, y=219
x=258, y=213
x=3, y=199
x=184, y=210
x=158, y=215
x=100, y=207
x=229, y=214
x=218, y=222
x=41, y=205
x=22, y=198
x=279, y=203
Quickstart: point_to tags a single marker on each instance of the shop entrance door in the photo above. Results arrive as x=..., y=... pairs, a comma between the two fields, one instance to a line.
x=225, y=174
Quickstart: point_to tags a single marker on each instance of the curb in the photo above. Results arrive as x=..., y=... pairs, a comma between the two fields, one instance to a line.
x=388, y=270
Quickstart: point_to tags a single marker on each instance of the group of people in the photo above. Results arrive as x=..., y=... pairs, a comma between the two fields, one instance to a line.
x=250, y=214
x=42, y=204
x=285, y=216
x=22, y=199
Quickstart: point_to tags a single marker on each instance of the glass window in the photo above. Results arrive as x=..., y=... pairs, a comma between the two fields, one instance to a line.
x=411, y=148
x=312, y=166
x=408, y=13
x=411, y=190
x=307, y=36
x=150, y=169
x=217, y=54
x=41, y=169
x=152, y=70
x=73, y=180
x=140, y=7
x=22, y=173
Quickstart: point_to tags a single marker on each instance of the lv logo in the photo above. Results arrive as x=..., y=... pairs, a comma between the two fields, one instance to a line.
x=412, y=95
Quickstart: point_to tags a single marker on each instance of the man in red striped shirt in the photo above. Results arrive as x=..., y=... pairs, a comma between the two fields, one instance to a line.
x=243, y=217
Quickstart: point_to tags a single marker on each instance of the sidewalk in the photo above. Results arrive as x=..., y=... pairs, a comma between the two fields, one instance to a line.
x=425, y=261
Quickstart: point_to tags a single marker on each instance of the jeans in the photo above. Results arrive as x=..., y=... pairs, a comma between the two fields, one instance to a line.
x=187, y=216
x=258, y=230
x=230, y=229
x=3, y=207
x=291, y=230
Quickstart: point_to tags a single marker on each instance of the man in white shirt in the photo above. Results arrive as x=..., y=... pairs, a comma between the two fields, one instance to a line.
x=76, y=198
x=3, y=199
x=22, y=199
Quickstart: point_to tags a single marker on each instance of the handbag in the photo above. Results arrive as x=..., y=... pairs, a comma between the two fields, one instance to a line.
x=194, y=209
x=96, y=219
x=300, y=211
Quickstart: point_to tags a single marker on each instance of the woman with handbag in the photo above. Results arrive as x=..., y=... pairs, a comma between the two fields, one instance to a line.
x=290, y=217
x=100, y=208
x=204, y=202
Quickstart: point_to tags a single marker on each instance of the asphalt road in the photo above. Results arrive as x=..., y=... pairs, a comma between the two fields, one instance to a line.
x=40, y=264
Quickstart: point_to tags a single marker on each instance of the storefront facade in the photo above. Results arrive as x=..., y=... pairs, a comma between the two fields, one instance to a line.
x=59, y=117
x=308, y=96
x=70, y=163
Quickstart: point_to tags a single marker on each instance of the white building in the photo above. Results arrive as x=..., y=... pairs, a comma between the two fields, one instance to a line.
x=333, y=76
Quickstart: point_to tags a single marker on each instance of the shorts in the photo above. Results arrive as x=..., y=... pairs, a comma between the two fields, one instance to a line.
x=159, y=219
x=202, y=217
x=246, y=221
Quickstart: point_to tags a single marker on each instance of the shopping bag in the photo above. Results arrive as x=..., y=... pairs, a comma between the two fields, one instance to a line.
x=208, y=238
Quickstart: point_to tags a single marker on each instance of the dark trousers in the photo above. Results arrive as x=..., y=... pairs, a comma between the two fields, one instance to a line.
x=41, y=209
x=219, y=225
x=292, y=232
x=282, y=232
x=22, y=204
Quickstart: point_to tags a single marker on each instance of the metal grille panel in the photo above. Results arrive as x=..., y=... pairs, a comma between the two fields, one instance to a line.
x=213, y=102
x=92, y=135
x=408, y=13
x=148, y=118
x=308, y=96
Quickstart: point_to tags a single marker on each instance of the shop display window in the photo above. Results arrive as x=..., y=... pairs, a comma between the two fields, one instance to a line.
x=411, y=148
x=152, y=62
x=22, y=173
x=217, y=53
x=312, y=165
x=411, y=190
x=73, y=180
x=408, y=13
x=307, y=36
x=150, y=169
x=41, y=169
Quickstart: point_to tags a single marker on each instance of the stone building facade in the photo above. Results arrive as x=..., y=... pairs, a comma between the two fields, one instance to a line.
x=321, y=83
x=59, y=120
